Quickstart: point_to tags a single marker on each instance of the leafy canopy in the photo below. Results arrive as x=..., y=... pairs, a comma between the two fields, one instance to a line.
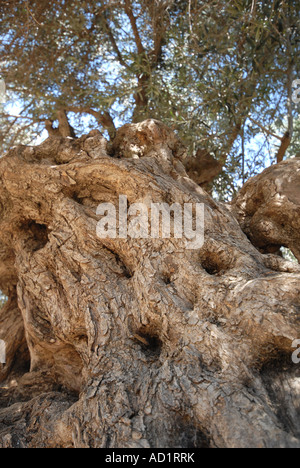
x=220, y=72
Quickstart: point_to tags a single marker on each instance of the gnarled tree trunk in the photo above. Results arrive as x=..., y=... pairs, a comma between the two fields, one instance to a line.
x=141, y=342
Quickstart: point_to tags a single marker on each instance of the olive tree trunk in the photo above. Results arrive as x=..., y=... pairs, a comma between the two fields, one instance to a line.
x=114, y=342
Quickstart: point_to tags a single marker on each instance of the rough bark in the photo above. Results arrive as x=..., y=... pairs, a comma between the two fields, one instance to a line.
x=203, y=168
x=138, y=342
x=285, y=143
x=64, y=129
x=268, y=208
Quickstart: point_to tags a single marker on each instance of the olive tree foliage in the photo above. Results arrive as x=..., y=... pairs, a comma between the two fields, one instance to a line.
x=219, y=72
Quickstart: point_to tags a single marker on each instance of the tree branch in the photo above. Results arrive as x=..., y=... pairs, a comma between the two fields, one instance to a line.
x=285, y=140
x=65, y=129
x=104, y=119
x=236, y=131
x=32, y=16
x=158, y=14
x=264, y=129
x=113, y=42
x=287, y=137
x=204, y=168
x=253, y=9
x=16, y=117
x=285, y=143
x=132, y=19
